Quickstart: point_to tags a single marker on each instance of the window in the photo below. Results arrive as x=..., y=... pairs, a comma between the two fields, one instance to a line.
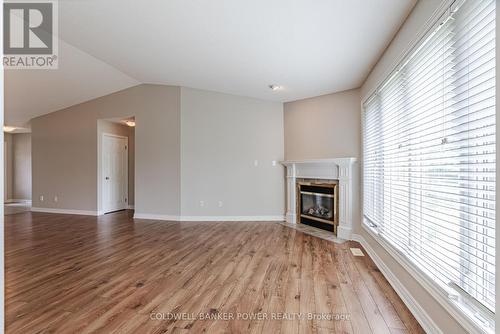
x=429, y=158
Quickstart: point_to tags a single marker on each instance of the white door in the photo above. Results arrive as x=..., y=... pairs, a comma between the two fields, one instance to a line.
x=114, y=173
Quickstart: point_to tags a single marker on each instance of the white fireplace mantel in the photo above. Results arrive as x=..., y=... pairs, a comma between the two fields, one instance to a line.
x=340, y=169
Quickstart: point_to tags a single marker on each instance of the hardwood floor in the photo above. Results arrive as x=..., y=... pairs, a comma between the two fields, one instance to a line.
x=81, y=274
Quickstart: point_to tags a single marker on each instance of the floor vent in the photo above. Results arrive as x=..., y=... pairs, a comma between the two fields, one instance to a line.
x=357, y=252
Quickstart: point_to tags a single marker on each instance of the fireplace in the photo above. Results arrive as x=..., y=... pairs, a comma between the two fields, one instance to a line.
x=318, y=204
x=338, y=171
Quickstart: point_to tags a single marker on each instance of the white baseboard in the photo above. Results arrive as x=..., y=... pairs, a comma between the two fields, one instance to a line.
x=102, y=212
x=207, y=218
x=232, y=218
x=415, y=308
x=138, y=215
x=13, y=200
x=65, y=211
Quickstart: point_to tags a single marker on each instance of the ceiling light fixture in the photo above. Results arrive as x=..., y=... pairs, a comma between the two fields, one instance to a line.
x=130, y=123
x=275, y=87
x=9, y=128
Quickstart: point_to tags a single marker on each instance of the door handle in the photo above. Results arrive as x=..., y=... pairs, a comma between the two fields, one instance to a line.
x=107, y=177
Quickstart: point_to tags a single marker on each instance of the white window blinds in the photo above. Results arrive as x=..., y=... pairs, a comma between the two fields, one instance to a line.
x=429, y=154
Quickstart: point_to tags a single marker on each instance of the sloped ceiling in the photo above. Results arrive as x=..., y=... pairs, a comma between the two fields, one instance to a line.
x=233, y=46
x=79, y=78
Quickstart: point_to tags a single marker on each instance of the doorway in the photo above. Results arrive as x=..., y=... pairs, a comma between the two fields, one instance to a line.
x=17, y=172
x=114, y=172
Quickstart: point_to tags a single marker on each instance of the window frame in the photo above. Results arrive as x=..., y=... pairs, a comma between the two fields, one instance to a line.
x=437, y=292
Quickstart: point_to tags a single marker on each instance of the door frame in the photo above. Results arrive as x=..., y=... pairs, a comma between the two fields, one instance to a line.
x=100, y=175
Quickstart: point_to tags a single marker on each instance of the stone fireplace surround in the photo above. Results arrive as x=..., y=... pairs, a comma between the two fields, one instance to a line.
x=340, y=169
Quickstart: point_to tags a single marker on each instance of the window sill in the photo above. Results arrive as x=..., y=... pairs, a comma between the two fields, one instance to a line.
x=453, y=307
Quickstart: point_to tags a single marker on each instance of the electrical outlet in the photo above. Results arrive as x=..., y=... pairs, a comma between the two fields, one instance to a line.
x=220, y=204
x=256, y=163
x=56, y=199
x=273, y=162
x=202, y=203
x=41, y=198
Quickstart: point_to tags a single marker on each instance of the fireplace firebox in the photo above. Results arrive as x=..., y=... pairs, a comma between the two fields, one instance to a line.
x=318, y=205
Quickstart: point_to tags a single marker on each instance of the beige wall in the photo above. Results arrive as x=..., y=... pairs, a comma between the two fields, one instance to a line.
x=412, y=29
x=65, y=146
x=222, y=136
x=104, y=126
x=326, y=126
x=21, y=151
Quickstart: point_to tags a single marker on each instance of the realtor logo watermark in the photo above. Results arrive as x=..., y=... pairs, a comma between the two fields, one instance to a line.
x=30, y=30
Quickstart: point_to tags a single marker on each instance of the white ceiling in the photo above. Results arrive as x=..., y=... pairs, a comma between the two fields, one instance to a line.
x=233, y=46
